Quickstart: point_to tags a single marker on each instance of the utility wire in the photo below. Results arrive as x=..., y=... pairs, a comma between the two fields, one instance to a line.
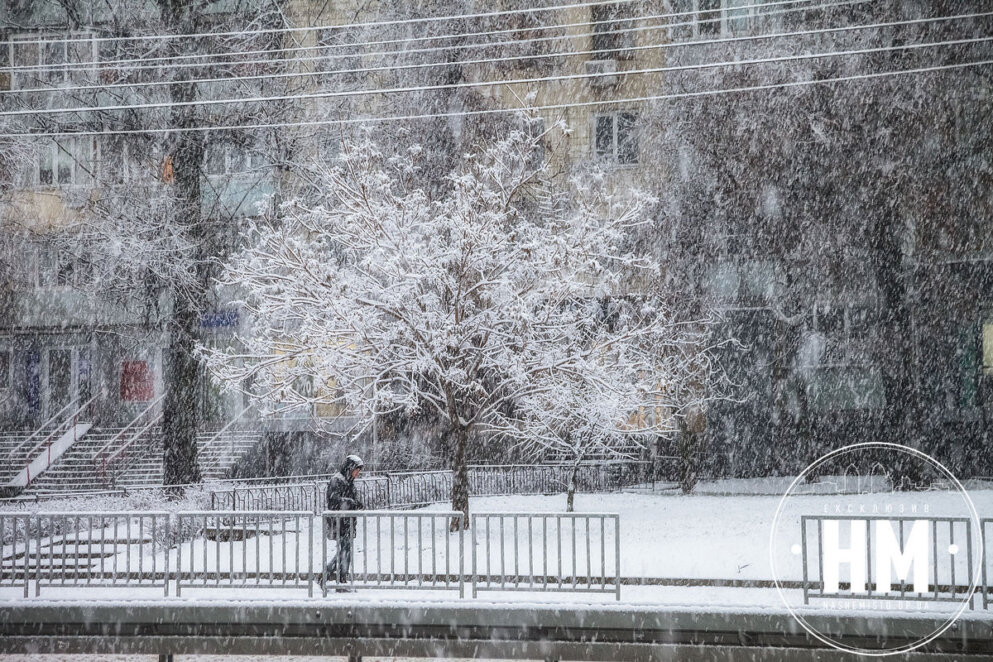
x=360, y=70
x=139, y=62
x=487, y=83
x=496, y=111
x=369, y=24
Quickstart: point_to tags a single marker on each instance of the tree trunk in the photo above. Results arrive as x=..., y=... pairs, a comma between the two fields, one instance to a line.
x=903, y=421
x=570, y=495
x=688, y=456
x=182, y=409
x=460, y=476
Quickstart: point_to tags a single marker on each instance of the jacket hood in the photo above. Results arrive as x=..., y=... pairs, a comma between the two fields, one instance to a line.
x=351, y=462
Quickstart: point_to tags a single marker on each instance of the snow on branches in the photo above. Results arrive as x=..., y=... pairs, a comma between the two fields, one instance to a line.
x=495, y=305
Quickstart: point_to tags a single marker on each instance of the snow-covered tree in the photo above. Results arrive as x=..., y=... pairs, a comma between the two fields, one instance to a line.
x=374, y=295
x=626, y=387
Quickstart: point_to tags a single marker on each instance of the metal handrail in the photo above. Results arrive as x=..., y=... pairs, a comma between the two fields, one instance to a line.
x=210, y=442
x=127, y=427
x=137, y=435
x=50, y=437
x=63, y=426
x=43, y=426
x=70, y=420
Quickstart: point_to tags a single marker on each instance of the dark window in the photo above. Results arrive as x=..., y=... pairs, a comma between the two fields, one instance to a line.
x=612, y=35
x=616, y=137
x=604, y=136
x=627, y=145
x=710, y=17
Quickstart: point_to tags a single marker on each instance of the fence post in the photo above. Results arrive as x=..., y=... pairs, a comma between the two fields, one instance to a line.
x=461, y=556
x=389, y=491
x=310, y=561
x=179, y=554
x=168, y=555
x=27, y=552
x=37, y=558
x=617, y=555
x=474, y=520
x=324, y=557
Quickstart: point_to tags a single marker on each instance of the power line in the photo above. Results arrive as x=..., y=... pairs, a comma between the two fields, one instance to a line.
x=368, y=24
x=144, y=61
x=496, y=111
x=359, y=70
x=489, y=83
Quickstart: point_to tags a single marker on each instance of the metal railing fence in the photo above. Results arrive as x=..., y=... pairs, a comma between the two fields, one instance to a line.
x=400, y=550
x=15, y=550
x=947, y=568
x=85, y=549
x=293, y=496
x=391, y=549
x=244, y=550
x=422, y=488
x=574, y=552
x=592, y=478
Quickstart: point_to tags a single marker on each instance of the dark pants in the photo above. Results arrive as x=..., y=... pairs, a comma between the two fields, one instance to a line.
x=340, y=565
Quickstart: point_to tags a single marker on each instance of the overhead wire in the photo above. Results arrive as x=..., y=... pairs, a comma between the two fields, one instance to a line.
x=153, y=62
x=486, y=83
x=366, y=24
x=504, y=110
x=358, y=70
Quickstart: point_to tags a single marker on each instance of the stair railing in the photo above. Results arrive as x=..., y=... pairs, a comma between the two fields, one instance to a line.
x=68, y=423
x=209, y=444
x=41, y=430
x=115, y=450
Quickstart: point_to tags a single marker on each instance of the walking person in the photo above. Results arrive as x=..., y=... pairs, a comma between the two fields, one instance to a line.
x=341, y=496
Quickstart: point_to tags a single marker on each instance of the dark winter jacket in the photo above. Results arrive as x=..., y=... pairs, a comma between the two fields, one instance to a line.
x=341, y=496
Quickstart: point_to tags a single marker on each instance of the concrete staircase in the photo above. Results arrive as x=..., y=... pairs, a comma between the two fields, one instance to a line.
x=12, y=460
x=218, y=453
x=142, y=466
x=75, y=470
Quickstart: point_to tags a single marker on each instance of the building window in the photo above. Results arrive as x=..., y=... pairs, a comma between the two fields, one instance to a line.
x=612, y=31
x=47, y=63
x=615, y=137
x=64, y=162
x=709, y=17
x=43, y=266
x=137, y=384
x=713, y=18
x=846, y=387
x=847, y=320
x=229, y=159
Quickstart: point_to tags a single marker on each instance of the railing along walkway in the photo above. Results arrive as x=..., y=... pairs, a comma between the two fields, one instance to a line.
x=400, y=550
